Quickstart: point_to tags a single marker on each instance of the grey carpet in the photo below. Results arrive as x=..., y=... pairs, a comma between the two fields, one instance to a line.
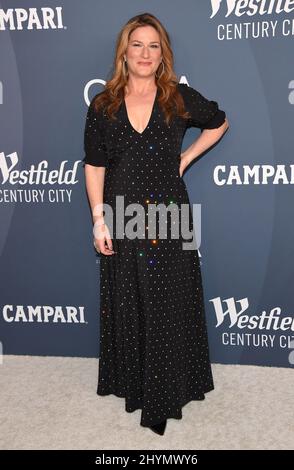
x=51, y=403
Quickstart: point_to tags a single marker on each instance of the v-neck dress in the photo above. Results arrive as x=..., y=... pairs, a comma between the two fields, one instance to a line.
x=154, y=349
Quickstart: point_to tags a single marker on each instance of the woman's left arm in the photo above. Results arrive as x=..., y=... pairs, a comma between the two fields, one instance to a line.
x=206, y=139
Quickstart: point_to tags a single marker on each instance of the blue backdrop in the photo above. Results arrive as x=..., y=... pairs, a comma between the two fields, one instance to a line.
x=55, y=55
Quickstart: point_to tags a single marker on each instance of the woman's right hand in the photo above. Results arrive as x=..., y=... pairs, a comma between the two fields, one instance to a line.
x=102, y=240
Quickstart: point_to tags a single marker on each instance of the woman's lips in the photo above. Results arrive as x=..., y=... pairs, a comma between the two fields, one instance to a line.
x=144, y=63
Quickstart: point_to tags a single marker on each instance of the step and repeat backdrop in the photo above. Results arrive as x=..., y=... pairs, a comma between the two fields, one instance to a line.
x=54, y=57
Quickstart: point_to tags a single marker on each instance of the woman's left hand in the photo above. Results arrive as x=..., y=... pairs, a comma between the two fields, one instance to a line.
x=183, y=164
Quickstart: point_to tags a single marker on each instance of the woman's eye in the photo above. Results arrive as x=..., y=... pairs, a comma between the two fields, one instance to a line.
x=155, y=46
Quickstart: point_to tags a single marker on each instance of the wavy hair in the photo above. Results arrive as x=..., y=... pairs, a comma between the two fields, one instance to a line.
x=169, y=98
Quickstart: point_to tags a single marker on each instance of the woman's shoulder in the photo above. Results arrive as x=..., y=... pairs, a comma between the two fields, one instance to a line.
x=182, y=86
x=96, y=99
x=97, y=106
x=186, y=90
x=192, y=95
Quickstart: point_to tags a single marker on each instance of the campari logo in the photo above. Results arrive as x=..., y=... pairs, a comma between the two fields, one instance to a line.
x=31, y=18
x=43, y=314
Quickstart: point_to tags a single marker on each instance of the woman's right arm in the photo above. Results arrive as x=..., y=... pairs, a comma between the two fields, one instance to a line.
x=95, y=163
x=94, y=178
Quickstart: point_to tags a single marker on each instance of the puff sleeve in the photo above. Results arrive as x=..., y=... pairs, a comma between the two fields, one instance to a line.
x=205, y=113
x=94, y=145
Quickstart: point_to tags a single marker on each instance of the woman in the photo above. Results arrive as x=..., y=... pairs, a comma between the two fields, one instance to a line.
x=153, y=339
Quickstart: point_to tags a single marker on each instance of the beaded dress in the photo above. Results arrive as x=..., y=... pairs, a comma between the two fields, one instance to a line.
x=153, y=339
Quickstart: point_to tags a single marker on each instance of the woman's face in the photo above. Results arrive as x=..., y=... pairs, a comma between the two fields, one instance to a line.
x=143, y=53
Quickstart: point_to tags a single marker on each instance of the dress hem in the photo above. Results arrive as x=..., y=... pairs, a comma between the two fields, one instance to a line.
x=177, y=416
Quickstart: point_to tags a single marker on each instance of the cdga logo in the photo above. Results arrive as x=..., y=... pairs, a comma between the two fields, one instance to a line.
x=251, y=7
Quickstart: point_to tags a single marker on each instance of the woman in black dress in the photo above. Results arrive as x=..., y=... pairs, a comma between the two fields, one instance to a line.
x=153, y=338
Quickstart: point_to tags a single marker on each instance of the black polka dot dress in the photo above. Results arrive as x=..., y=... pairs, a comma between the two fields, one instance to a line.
x=153, y=338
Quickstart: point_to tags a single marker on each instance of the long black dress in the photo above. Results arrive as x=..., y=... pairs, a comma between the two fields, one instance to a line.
x=153, y=338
